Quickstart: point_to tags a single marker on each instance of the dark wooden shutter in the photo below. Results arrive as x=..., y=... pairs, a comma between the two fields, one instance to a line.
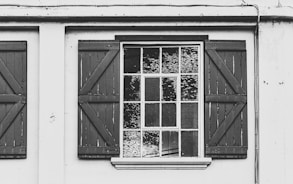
x=13, y=82
x=98, y=98
x=225, y=99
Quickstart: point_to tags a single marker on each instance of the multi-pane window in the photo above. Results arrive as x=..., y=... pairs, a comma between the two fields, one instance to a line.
x=162, y=100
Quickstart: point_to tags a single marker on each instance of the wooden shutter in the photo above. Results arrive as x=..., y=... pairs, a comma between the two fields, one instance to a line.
x=13, y=84
x=225, y=99
x=98, y=99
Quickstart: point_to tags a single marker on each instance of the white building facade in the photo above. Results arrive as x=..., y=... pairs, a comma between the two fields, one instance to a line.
x=45, y=101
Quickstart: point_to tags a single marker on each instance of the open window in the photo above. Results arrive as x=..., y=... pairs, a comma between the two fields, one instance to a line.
x=154, y=104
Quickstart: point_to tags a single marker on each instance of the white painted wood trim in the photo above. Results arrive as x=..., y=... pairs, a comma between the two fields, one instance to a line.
x=125, y=10
x=51, y=104
x=161, y=163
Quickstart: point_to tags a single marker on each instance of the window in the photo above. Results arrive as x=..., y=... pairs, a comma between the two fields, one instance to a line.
x=161, y=101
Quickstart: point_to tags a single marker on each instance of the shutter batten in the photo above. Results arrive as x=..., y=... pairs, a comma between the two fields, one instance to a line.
x=225, y=99
x=98, y=121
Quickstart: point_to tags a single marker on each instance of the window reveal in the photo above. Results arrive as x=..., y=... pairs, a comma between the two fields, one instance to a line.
x=161, y=100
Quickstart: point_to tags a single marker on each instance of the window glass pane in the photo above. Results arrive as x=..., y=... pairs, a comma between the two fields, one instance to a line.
x=170, y=60
x=131, y=144
x=131, y=115
x=169, y=88
x=169, y=114
x=132, y=88
x=152, y=115
x=132, y=60
x=189, y=143
x=189, y=115
x=189, y=59
x=151, y=62
x=151, y=140
x=169, y=144
x=189, y=87
x=152, y=89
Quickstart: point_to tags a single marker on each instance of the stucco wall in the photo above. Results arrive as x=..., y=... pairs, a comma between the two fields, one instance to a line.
x=276, y=89
x=52, y=143
x=26, y=170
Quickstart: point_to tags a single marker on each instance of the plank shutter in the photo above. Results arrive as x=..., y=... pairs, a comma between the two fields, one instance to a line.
x=98, y=99
x=225, y=99
x=13, y=84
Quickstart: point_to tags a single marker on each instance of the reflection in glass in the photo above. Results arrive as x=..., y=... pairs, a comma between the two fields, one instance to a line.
x=189, y=87
x=189, y=115
x=189, y=143
x=152, y=89
x=131, y=115
x=131, y=144
x=170, y=62
x=151, y=140
x=132, y=60
x=169, y=88
x=131, y=88
x=151, y=62
x=152, y=115
x=170, y=144
x=189, y=59
x=168, y=114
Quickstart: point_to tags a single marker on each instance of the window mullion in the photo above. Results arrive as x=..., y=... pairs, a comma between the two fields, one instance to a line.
x=142, y=102
x=200, y=101
x=179, y=103
x=160, y=102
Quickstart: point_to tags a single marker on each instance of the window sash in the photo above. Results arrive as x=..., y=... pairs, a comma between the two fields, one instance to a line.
x=143, y=76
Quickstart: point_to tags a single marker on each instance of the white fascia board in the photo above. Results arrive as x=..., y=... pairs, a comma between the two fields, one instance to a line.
x=125, y=11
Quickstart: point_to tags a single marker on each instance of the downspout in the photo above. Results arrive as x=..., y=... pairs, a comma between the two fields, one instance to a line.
x=256, y=96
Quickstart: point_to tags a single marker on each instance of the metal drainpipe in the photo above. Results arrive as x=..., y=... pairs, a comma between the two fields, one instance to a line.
x=256, y=96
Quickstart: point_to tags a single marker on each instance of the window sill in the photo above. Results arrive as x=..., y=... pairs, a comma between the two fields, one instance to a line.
x=160, y=163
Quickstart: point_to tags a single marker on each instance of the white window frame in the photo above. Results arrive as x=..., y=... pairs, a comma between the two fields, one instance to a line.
x=179, y=162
